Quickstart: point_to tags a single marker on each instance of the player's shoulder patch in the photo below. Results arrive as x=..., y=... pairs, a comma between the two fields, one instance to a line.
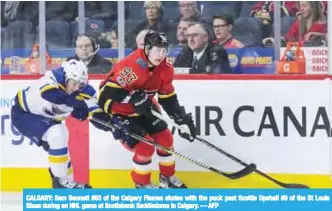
x=142, y=63
x=120, y=81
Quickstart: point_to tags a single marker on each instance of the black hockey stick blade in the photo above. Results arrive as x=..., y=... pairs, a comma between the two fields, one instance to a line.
x=236, y=175
x=282, y=184
x=294, y=185
x=243, y=172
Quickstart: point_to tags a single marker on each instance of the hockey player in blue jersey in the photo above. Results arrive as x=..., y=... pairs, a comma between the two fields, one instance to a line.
x=40, y=108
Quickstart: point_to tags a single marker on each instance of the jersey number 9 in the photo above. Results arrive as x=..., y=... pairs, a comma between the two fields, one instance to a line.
x=128, y=75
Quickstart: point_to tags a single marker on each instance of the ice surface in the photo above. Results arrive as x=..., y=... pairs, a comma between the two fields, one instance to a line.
x=11, y=201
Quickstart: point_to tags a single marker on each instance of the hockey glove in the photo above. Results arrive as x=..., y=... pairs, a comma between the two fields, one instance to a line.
x=71, y=101
x=80, y=113
x=188, y=121
x=102, y=116
x=141, y=102
x=126, y=126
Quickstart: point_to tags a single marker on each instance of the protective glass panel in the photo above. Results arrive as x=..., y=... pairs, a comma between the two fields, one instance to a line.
x=19, y=38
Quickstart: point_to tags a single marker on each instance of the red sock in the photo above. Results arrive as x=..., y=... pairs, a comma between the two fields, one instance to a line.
x=166, y=160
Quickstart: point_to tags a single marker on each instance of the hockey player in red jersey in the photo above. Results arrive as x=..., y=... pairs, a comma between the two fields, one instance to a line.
x=128, y=93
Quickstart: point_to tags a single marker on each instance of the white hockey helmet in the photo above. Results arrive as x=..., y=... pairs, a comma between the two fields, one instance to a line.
x=76, y=70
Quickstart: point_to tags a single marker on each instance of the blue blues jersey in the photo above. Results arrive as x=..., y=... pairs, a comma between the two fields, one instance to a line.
x=53, y=83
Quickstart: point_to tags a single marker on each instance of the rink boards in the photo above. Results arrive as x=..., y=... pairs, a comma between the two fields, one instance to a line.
x=282, y=124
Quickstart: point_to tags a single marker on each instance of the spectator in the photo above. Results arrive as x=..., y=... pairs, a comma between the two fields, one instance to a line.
x=104, y=39
x=309, y=26
x=60, y=10
x=154, y=15
x=189, y=10
x=22, y=11
x=22, y=19
x=222, y=27
x=58, y=15
x=113, y=38
x=264, y=11
x=181, y=32
x=102, y=10
x=201, y=55
x=4, y=21
x=288, y=8
x=86, y=48
x=140, y=38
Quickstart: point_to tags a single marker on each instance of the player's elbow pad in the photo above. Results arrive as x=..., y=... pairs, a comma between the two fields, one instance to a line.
x=170, y=104
x=55, y=96
x=109, y=95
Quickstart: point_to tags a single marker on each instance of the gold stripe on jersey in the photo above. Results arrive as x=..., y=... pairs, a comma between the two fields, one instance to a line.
x=47, y=87
x=98, y=110
x=62, y=87
x=163, y=96
x=86, y=96
x=109, y=84
x=20, y=100
x=113, y=85
x=107, y=105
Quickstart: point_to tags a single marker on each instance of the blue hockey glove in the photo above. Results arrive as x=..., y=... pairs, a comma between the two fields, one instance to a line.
x=80, y=113
x=102, y=116
x=73, y=102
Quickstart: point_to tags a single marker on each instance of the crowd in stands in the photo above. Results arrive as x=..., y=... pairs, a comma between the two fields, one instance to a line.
x=231, y=24
x=190, y=25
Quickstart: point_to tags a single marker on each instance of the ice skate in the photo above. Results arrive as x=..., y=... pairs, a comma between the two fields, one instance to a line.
x=51, y=174
x=170, y=182
x=148, y=186
x=66, y=183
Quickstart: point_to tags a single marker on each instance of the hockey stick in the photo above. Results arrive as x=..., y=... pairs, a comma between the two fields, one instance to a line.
x=284, y=185
x=235, y=175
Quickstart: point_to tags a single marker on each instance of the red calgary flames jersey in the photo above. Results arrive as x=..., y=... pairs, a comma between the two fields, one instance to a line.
x=131, y=74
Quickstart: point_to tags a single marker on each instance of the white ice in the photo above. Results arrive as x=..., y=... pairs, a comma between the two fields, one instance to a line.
x=10, y=201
